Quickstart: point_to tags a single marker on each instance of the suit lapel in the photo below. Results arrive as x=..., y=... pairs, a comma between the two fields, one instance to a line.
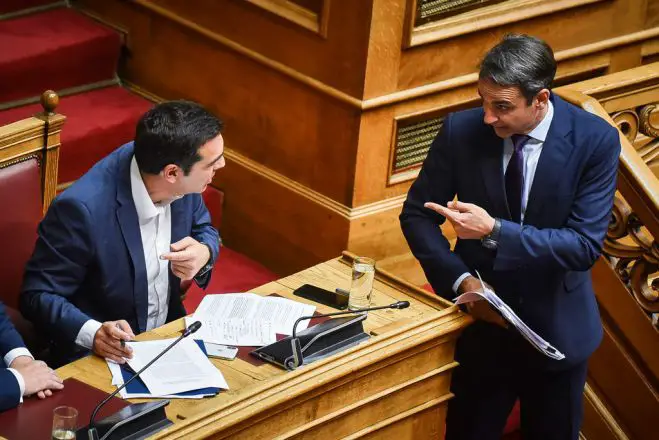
x=556, y=151
x=492, y=170
x=178, y=226
x=179, y=232
x=130, y=229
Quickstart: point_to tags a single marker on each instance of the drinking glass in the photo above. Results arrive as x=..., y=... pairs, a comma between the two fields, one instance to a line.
x=363, y=273
x=65, y=422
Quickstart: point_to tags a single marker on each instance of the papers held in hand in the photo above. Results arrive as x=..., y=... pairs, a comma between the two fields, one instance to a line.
x=317, y=342
x=487, y=294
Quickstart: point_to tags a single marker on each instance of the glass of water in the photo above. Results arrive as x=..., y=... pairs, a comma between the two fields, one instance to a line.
x=65, y=422
x=363, y=273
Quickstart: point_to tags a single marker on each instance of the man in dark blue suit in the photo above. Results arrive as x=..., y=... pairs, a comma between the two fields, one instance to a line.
x=20, y=374
x=535, y=179
x=113, y=248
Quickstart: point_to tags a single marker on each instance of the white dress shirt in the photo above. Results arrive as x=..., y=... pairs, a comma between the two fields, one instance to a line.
x=9, y=358
x=156, y=231
x=531, y=151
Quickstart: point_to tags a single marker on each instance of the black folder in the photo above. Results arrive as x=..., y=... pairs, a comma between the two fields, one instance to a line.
x=317, y=342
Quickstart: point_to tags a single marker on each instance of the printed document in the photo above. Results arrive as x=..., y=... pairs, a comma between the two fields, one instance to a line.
x=487, y=294
x=248, y=319
x=183, y=368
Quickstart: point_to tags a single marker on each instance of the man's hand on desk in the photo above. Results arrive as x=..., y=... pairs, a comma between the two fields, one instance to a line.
x=38, y=377
x=480, y=309
x=109, y=341
x=187, y=257
x=469, y=221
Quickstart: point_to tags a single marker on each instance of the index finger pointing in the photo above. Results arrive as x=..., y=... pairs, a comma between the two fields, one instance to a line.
x=446, y=212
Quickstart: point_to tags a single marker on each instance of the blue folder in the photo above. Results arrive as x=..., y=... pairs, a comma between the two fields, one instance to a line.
x=138, y=387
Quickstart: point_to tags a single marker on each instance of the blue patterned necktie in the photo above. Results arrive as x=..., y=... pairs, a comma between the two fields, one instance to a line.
x=515, y=177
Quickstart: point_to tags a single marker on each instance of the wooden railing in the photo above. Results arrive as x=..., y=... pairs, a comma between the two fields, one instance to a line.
x=622, y=396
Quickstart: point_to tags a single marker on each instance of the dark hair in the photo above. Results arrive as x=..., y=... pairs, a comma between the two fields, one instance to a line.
x=172, y=133
x=520, y=60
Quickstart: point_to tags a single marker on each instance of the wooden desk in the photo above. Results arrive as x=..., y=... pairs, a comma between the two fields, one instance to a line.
x=395, y=385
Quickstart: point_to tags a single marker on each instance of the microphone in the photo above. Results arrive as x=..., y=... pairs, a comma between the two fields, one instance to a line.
x=91, y=431
x=296, y=346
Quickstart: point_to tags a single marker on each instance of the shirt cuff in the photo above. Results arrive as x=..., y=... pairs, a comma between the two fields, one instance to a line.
x=459, y=281
x=16, y=352
x=21, y=382
x=87, y=332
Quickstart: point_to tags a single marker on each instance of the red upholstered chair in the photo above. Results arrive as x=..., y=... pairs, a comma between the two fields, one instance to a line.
x=29, y=152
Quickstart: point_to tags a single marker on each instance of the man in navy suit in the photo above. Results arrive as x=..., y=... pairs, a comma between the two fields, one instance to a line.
x=114, y=247
x=535, y=179
x=24, y=376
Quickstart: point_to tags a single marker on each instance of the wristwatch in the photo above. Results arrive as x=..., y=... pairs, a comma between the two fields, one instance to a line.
x=491, y=240
x=209, y=265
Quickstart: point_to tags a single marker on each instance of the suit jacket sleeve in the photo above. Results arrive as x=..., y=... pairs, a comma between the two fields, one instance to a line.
x=420, y=225
x=203, y=230
x=9, y=337
x=56, y=270
x=578, y=244
x=10, y=393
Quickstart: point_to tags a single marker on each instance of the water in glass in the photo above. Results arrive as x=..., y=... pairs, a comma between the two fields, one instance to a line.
x=363, y=273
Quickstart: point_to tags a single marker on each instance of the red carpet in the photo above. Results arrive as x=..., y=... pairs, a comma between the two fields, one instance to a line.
x=97, y=123
x=233, y=273
x=54, y=50
x=18, y=5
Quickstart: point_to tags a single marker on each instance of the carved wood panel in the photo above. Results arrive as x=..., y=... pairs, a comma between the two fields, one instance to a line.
x=641, y=127
x=634, y=254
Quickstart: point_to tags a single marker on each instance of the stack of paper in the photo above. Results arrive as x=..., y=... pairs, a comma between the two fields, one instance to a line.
x=183, y=372
x=510, y=316
x=247, y=319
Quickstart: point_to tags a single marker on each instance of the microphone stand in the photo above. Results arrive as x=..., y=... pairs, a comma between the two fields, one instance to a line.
x=296, y=346
x=92, y=433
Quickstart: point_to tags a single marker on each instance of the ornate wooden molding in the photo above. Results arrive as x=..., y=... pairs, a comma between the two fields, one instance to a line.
x=648, y=123
x=327, y=203
x=631, y=245
x=627, y=122
x=395, y=97
x=315, y=21
x=485, y=17
x=634, y=254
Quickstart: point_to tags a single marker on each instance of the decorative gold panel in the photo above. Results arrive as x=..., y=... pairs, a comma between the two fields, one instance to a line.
x=433, y=10
x=412, y=142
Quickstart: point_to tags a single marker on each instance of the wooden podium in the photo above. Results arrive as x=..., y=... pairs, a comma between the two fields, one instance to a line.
x=395, y=385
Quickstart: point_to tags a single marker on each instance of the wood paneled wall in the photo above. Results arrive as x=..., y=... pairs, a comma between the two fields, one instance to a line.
x=312, y=90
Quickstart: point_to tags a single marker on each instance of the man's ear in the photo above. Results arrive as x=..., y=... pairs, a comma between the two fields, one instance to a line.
x=171, y=173
x=542, y=98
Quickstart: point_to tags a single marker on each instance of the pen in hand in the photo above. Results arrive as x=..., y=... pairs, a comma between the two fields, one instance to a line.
x=122, y=341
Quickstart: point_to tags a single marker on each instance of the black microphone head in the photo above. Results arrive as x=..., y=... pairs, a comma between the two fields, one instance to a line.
x=400, y=305
x=192, y=328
